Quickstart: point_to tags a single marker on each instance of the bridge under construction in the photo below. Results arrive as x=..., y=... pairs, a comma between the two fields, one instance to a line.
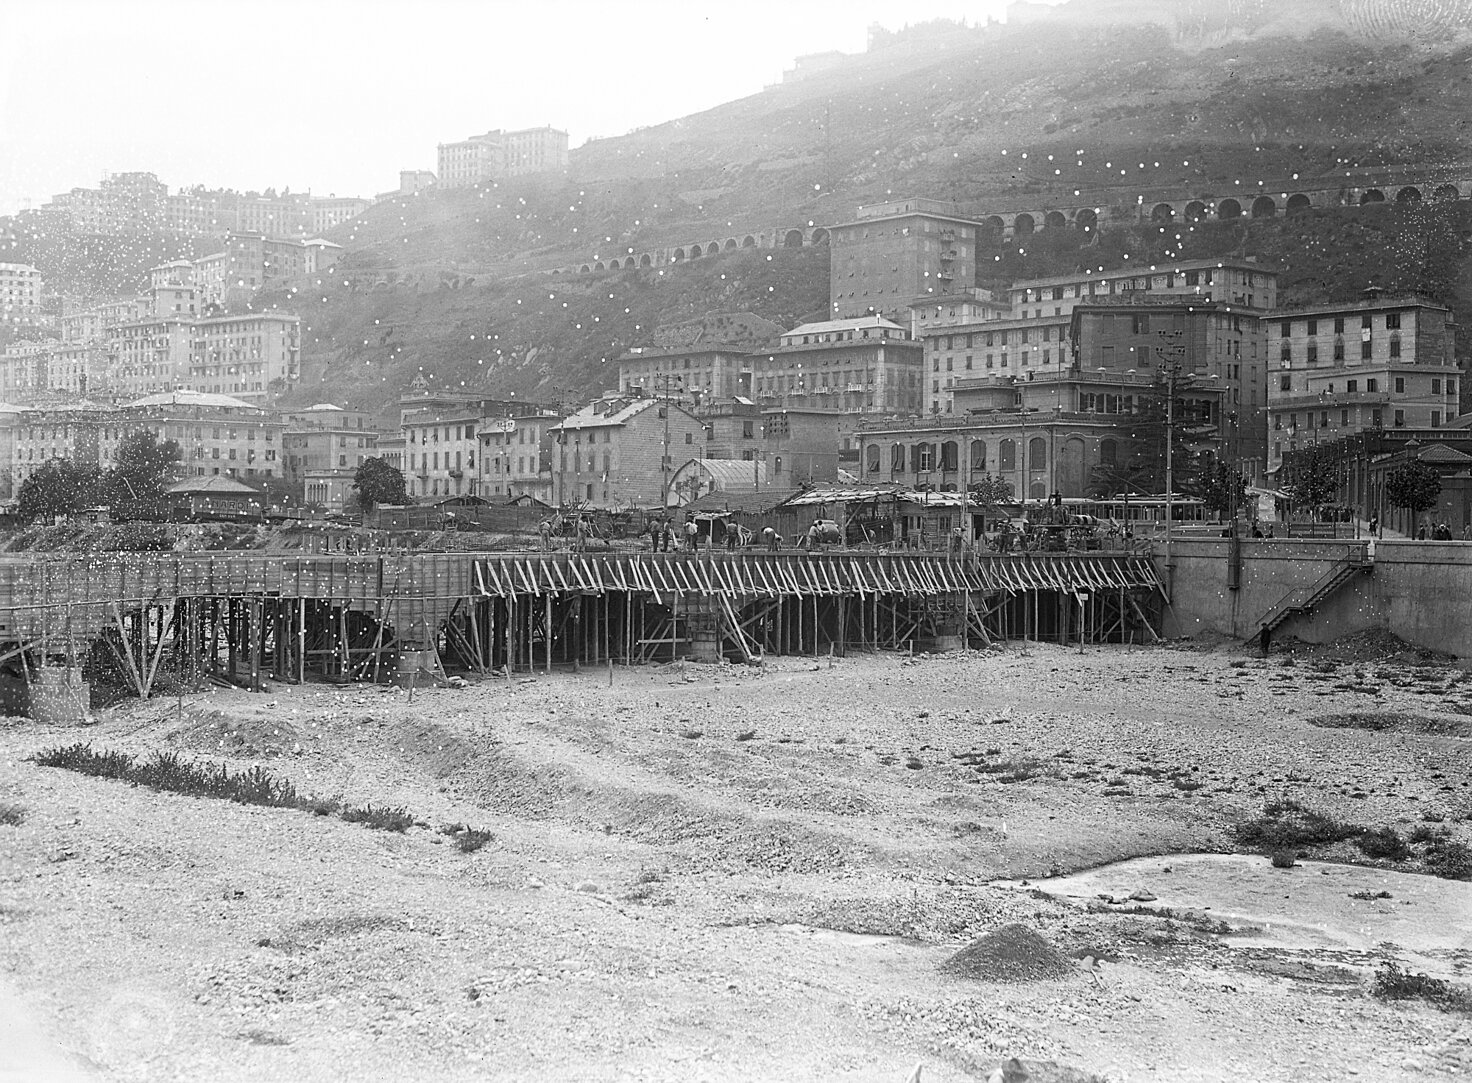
x=244, y=617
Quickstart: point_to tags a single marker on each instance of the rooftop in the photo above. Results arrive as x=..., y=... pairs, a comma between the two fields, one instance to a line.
x=1154, y=269
x=828, y=327
x=184, y=397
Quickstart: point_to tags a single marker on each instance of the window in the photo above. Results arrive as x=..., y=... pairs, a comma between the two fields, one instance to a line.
x=1286, y=355
x=1394, y=345
x=747, y=428
x=1365, y=350
x=1436, y=386
x=1400, y=419
x=978, y=455
x=1324, y=419
x=1277, y=421
x=1436, y=419
x=1344, y=417
x=689, y=438
x=1339, y=349
x=1375, y=419
x=1366, y=323
x=1283, y=329
x=1313, y=353
x=1007, y=455
x=1392, y=321
x=1339, y=325
x=1352, y=386
x=1400, y=385
x=1285, y=382
x=1313, y=327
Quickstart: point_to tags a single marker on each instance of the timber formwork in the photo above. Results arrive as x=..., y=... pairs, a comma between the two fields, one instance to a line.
x=245, y=616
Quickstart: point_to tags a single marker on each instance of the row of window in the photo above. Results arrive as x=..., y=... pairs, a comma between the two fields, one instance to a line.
x=925, y=457
x=1367, y=323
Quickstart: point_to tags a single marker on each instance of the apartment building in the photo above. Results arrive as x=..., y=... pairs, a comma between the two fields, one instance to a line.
x=51, y=365
x=1243, y=284
x=1384, y=362
x=516, y=456
x=1026, y=348
x=216, y=434
x=440, y=448
x=619, y=452
x=896, y=252
x=252, y=356
x=691, y=374
x=20, y=295
x=325, y=441
x=498, y=154
x=864, y=365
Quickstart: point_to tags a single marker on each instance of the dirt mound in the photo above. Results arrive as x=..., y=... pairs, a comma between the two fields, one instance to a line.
x=1013, y=953
x=1396, y=721
x=223, y=735
x=1371, y=645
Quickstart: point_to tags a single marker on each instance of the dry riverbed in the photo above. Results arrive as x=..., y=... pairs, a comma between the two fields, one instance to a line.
x=712, y=873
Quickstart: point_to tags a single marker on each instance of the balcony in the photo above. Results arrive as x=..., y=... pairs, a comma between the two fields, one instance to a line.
x=457, y=473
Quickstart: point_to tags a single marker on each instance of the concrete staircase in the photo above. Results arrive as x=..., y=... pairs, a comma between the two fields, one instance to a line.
x=1303, y=600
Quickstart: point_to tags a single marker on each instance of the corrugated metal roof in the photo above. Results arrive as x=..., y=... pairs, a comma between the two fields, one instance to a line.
x=184, y=397
x=854, y=324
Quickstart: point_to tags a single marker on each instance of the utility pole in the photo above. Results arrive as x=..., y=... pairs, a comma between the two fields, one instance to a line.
x=664, y=463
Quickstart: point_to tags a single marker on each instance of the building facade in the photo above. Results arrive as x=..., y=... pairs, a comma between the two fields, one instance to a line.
x=498, y=154
x=1383, y=362
x=20, y=295
x=618, y=452
x=1243, y=284
x=689, y=374
x=326, y=442
x=516, y=456
x=897, y=252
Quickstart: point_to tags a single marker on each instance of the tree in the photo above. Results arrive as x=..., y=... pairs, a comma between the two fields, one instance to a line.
x=378, y=481
x=136, y=487
x=989, y=491
x=61, y=487
x=1413, y=486
x=1313, y=476
x=1140, y=463
x=1224, y=489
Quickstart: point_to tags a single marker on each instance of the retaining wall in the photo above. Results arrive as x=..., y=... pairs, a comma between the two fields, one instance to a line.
x=1420, y=591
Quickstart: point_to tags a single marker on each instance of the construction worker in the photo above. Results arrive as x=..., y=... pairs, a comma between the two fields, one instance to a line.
x=771, y=538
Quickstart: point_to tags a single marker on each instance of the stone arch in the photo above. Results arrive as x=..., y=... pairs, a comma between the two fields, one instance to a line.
x=598, y=266
x=793, y=239
x=748, y=241
x=645, y=261
x=871, y=459
x=677, y=255
x=1371, y=195
x=978, y=455
x=1086, y=219
x=1007, y=455
x=584, y=269
x=1023, y=225
x=1162, y=212
x=1409, y=194
x=1055, y=220
x=1264, y=207
x=1229, y=208
x=731, y=245
x=1037, y=453
x=629, y=264
x=1447, y=192
x=994, y=224
x=1037, y=490
x=820, y=236
x=557, y=270
x=1195, y=210
x=1298, y=204
x=949, y=460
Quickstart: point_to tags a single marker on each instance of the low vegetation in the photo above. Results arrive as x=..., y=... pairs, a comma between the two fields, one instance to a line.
x=12, y=815
x=167, y=772
x=1394, y=983
x=468, y=839
x=1287, y=829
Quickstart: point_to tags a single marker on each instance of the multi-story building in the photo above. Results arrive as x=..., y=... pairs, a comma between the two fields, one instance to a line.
x=861, y=366
x=967, y=351
x=498, y=154
x=896, y=252
x=216, y=434
x=692, y=373
x=619, y=452
x=151, y=355
x=415, y=180
x=251, y=356
x=794, y=445
x=440, y=448
x=1243, y=284
x=956, y=309
x=334, y=211
x=326, y=442
x=20, y=295
x=1383, y=362
x=1217, y=352
x=78, y=368
x=516, y=456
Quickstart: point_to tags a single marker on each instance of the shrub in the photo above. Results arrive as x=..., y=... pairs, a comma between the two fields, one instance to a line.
x=1284, y=859
x=1393, y=983
x=1287, y=825
x=1449, y=859
x=382, y=818
x=472, y=839
x=1383, y=842
x=12, y=815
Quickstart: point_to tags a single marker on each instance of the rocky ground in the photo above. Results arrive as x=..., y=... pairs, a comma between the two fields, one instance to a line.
x=711, y=873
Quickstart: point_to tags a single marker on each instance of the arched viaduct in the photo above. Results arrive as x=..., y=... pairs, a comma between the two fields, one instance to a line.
x=634, y=258
x=1252, y=203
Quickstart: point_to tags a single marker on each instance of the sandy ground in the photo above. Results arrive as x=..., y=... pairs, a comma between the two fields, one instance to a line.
x=713, y=873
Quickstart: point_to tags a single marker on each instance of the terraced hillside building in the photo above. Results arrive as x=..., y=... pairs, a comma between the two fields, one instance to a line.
x=1384, y=362
x=620, y=452
x=895, y=252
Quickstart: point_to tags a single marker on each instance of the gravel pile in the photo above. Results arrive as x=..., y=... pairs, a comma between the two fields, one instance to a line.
x=1014, y=953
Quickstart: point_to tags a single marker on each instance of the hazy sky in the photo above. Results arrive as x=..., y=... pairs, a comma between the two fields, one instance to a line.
x=337, y=96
